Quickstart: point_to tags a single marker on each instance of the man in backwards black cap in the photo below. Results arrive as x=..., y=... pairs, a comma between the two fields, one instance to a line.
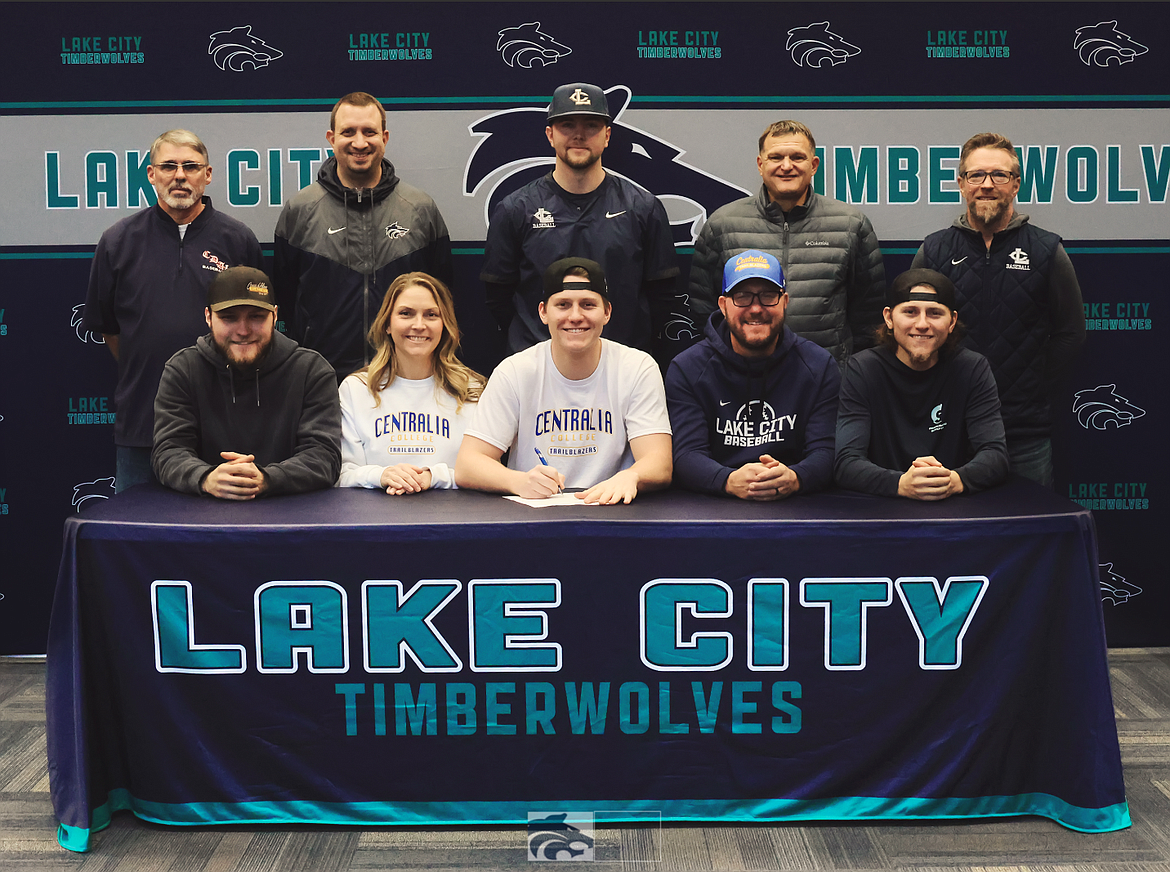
x=576, y=410
x=580, y=209
x=919, y=416
x=246, y=411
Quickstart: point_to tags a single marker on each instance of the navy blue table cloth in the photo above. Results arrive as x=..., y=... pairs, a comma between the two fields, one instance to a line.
x=456, y=658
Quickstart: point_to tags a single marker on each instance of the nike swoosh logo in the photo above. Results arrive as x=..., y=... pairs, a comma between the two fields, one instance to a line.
x=331, y=231
x=723, y=403
x=959, y=261
x=615, y=214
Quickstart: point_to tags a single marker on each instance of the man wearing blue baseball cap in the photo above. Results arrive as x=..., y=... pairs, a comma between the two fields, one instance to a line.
x=753, y=406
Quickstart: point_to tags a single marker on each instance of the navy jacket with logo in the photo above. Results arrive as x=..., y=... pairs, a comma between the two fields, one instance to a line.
x=619, y=225
x=726, y=410
x=148, y=286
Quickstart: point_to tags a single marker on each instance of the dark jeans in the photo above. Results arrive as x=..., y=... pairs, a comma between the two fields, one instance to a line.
x=133, y=467
x=1032, y=458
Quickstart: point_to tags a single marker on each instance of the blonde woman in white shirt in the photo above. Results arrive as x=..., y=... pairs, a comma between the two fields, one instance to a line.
x=403, y=416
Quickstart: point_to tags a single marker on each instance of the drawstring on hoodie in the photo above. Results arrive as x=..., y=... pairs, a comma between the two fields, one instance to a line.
x=232, y=382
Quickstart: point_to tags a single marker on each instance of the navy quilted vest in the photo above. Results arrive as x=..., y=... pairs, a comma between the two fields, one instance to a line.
x=1002, y=294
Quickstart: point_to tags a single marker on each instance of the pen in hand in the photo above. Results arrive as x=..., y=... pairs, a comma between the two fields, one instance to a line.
x=543, y=462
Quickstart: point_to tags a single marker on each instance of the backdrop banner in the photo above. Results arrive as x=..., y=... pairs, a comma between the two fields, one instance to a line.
x=891, y=92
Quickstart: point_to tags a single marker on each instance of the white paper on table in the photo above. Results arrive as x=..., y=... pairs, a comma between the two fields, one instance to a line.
x=561, y=499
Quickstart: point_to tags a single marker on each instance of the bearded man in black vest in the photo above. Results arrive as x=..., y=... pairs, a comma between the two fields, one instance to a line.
x=1017, y=295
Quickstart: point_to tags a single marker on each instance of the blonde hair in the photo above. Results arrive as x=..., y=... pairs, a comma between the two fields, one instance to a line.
x=989, y=140
x=458, y=380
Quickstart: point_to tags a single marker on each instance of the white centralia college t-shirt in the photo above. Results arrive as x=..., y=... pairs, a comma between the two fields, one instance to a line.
x=582, y=427
x=415, y=423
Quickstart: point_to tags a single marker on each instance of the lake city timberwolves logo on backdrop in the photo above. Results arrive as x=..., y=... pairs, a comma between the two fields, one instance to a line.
x=551, y=836
x=238, y=50
x=1115, y=590
x=1102, y=407
x=1103, y=45
x=83, y=334
x=528, y=46
x=514, y=150
x=814, y=45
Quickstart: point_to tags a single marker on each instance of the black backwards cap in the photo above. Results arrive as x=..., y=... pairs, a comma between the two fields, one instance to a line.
x=901, y=289
x=554, y=277
x=240, y=286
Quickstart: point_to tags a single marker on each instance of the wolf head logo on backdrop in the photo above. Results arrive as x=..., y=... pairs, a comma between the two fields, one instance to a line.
x=528, y=46
x=100, y=489
x=814, y=45
x=238, y=50
x=1103, y=45
x=83, y=334
x=1102, y=408
x=513, y=143
x=1115, y=590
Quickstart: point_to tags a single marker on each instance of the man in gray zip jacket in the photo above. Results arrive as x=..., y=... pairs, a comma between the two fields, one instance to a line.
x=827, y=249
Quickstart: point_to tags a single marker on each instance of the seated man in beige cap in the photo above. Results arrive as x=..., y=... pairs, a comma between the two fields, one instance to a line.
x=245, y=411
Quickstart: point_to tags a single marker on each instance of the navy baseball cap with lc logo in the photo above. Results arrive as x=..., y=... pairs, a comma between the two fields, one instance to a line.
x=579, y=98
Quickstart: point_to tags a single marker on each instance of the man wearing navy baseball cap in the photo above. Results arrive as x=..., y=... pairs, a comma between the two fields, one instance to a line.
x=919, y=416
x=753, y=405
x=580, y=210
x=246, y=411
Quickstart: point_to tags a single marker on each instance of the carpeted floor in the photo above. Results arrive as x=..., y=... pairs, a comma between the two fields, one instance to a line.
x=1141, y=688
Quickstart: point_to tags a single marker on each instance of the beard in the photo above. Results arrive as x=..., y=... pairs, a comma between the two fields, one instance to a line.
x=918, y=356
x=762, y=340
x=991, y=212
x=921, y=357
x=229, y=353
x=178, y=202
x=580, y=163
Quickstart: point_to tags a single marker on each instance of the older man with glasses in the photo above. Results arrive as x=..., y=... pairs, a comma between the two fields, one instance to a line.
x=1017, y=294
x=753, y=406
x=148, y=286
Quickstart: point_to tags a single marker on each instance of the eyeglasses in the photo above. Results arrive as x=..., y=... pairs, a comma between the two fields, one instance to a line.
x=743, y=299
x=998, y=177
x=169, y=168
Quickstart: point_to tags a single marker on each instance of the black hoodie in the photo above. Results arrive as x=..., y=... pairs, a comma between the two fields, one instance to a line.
x=285, y=411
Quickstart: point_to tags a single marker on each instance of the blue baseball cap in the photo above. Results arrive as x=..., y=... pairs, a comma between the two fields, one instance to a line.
x=752, y=264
